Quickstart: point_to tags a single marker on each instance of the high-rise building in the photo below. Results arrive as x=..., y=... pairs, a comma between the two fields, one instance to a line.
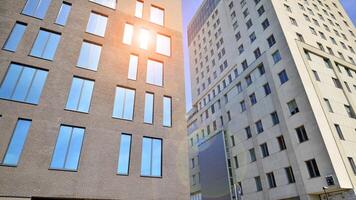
x=274, y=99
x=91, y=101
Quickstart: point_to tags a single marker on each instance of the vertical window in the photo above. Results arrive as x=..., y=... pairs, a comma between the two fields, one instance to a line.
x=124, y=103
x=267, y=89
x=236, y=162
x=258, y=183
x=80, y=94
x=124, y=154
x=144, y=38
x=282, y=143
x=328, y=105
x=312, y=168
x=23, y=83
x=63, y=13
x=17, y=142
x=275, y=118
x=252, y=155
x=149, y=99
x=151, y=163
x=259, y=127
x=283, y=77
x=271, y=180
x=154, y=73
x=253, y=99
x=293, y=107
x=276, y=57
x=133, y=64
x=68, y=147
x=97, y=24
x=290, y=174
x=248, y=132
x=107, y=3
x=15, y=36
x=167, y=111
x=352, y=163
x=128, y=33
x=45, y=45
x=157, y=15
x=349, y=111
x=163, y=45
x=89, y=56
x=232, y=140
x=264, y=150
x=302, y=134
x=339, y=132
x=243, y=106
x=139, y=9
x=316, y=75
x=36, y=8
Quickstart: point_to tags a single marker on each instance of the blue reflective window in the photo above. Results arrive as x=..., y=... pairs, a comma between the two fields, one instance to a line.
x=23, y=83
x=68, y=147
x=124, y=103
x=283, y=77
x=17, y=142
x=45, y=45
x=124, y=155
x=36, y=8
x=107, y=3
x=15, y=36
x=97, y=24
x=151, y=163
x=167, y=111
x=80, y=94
x=276, y=57
x=63, y=13
x=89, y=56
x=148, y=117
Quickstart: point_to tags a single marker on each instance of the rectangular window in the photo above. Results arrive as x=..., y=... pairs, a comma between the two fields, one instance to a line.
x=352, y=164
x=68, y=147
x=243, y=106
x=328, y=105
x=302, y=134
x=283, y=77
x=80, y=95
x=133, y=64
x=271, y=180
x=248, y=132
x=349, y=111
x=144, y=38
x=316, y=75
x=36, y=8
x=17, y=142
x=312, y=168
x=264, y=150
x=339, y=132
x=163, y=45
x=89, y=56
x=293, y=107
x=151, y=163
x=124, y=103
x=259, y=127
x=139, y=9
x=276, y=57
x=253, y=99
x=23, y=83
x=232, y=140
x=124, y=155
x=15, y=36
x=154, y=73
x=107, y=3
x=157, y=15
x=275, y=118
x=149, y=99
x=97, y=24
x=63, y=13
x=236, y=162
x=128, y=34
x=258, y=183
x=252, y=155
x=290, y=174
x=45, y=45
x=167, y=111
x=267, y=89
x=282, y=143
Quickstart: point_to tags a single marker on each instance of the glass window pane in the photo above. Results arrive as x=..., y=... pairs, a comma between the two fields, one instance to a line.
x=146, y=157
x=9, y=83
x=15, y=37
x=124, y=103
x=129, y=104
x=97, y=24
x=60, y=151
x=80, y=95
x=86, y=95
x=63, y=14
x=36, y=8
x=89, y=56
x=139, y=9
x=45, y=45
x=74, y=94
x=51, y=46
x=107, y=3
x=154, y=73
x=144, y=38
x=167, y=111
x=163, y=45
x=119, y=102
x=148, y=118
x=23, y=84
x=157, y=15
x=40, y=43
x=36, y=87
x=74, y=149
x=17, y=142
x=133, y=67
x=128, y=32
x=30, y=7
x=156, y=157
x=124, y=154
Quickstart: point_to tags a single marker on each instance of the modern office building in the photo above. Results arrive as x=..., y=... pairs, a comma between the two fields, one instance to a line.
x=274, y=99
x=91, y=101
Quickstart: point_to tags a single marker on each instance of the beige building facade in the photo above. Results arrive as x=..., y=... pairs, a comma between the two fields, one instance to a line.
x=277, y=79
x=91, y=103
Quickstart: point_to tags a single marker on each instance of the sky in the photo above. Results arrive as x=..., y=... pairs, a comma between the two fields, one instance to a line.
x=189, y=8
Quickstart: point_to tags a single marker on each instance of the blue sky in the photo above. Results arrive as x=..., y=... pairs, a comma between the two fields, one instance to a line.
x=189, y=8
